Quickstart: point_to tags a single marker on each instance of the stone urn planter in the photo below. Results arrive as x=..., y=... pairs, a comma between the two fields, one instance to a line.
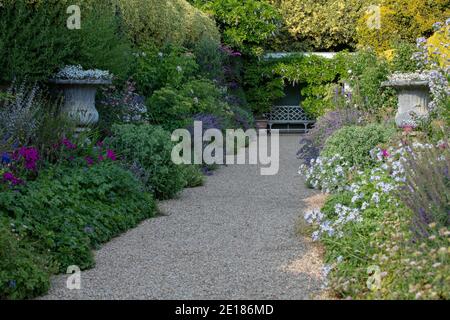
x=79, y=96
x=413, y=98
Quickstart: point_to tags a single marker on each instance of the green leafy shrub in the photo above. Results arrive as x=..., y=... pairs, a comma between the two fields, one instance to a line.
x=24, y=273
x=262, y=87
x=210, y=59
x=170, y=109
x=367, y=72
x=403, y=58
x=151, y=147
x=354, y=143
x=68, y=211
x=246, y=25
x=205, y=97
x=193, y=176
x=158, y=68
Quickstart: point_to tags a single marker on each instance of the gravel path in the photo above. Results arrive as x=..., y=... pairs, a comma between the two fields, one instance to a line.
x=233, y=238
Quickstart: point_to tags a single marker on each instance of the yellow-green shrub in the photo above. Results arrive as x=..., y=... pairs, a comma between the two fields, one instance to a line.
x=324, y=24
x=439, y=42
x=401, y=20
x=162, y=22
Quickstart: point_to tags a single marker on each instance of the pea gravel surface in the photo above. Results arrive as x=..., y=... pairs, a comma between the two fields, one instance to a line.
x=233, y=238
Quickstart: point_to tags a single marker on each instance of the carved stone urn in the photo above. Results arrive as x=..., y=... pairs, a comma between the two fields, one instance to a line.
x=79, y=100
x=413, y=99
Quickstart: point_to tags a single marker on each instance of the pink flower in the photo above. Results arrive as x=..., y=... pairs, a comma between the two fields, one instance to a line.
x=442, y=145
x=111, y=155
x=408, y=129
x=385, y=153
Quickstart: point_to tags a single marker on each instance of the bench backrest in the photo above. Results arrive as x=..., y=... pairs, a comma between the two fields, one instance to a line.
x=288, y=114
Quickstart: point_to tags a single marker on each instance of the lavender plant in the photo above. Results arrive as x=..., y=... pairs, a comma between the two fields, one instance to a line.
x=427, y=187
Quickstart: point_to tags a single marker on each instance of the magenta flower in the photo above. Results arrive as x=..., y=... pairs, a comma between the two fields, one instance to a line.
x=100, y=144
x=111, y=155
x=100, y=158
x=69, y=145
x=30, y=156
x=385, y=153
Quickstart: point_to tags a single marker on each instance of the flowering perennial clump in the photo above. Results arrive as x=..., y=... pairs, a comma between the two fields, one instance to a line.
x=364, y=199
x=327, y=174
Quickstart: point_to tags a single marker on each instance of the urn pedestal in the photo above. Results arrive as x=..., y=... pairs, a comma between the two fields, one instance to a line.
x=79, y=100
x=413, y=100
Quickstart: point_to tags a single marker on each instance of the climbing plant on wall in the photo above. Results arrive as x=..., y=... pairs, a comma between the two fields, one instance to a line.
x=265, y=81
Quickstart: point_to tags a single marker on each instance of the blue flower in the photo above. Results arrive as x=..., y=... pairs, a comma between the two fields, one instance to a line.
x=6, y=159
x=12, y=284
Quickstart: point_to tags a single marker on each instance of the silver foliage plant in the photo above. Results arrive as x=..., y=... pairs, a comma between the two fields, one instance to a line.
x=73, y=72
x=18, y=114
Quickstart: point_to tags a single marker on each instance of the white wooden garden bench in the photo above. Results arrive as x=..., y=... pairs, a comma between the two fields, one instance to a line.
x=291, y=116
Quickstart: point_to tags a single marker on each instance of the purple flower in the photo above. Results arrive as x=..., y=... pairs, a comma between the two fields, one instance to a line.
x=111, y=155
x=30, y=156
x=89, y=161
x=421, y=40
x=9, y=177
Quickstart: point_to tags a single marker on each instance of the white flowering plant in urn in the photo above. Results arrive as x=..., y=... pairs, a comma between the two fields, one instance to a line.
x=79, y=87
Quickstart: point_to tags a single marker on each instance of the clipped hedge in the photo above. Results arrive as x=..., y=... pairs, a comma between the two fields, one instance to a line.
x=166, y=22
x=401, y=20
x=323, y=24
x=35, y=41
